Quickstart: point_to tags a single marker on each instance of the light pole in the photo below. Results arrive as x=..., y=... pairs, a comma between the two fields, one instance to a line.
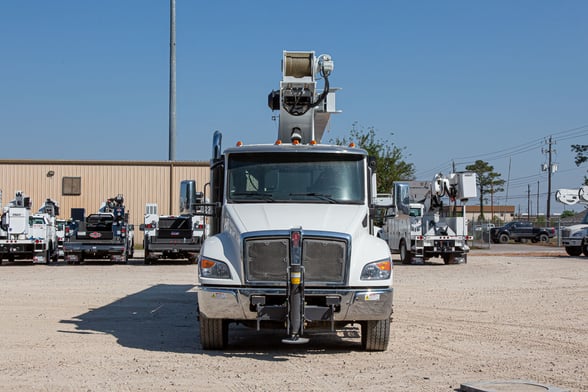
x=172, y=81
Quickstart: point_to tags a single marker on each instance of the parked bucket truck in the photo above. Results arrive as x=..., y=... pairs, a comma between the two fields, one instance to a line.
x=26, y=235
x=418, y=227
x=291, y=242
x=175, y=236
x=575, y=238
x=102, y=235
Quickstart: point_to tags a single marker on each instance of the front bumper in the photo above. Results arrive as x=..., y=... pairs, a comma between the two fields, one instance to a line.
x=567, y=242
x=356, y=304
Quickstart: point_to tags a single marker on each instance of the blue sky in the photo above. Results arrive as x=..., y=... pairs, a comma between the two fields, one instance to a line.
x=448, y=81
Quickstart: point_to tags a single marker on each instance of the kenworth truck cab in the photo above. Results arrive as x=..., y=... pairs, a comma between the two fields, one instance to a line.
x=292, y=242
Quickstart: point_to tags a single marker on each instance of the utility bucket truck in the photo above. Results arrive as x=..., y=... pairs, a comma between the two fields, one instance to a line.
x=26, y=235
x=575, y=238
x=105, y=234
x=291, y=242
x=175, y=236
x=418, y=227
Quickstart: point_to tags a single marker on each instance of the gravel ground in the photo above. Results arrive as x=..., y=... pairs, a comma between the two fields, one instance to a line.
x=133, y=327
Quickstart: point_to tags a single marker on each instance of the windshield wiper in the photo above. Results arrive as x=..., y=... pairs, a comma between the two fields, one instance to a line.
x=322, y=196
x=252, y=195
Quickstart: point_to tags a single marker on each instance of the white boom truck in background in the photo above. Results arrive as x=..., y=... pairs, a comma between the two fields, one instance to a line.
x=419, y=228
x=291, y=242
x=575, y=238
x=28, y=236
x=175, y=236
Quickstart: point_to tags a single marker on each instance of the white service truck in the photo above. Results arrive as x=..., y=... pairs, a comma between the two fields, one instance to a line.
x=291, y=242
x=174, y=236
x=575, y=238
x=418, y=227
x=26, y=235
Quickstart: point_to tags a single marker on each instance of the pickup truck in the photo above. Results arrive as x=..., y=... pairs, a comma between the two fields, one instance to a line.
x=521, y=231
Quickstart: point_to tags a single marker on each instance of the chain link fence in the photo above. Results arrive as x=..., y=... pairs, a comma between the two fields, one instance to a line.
x=480, y=230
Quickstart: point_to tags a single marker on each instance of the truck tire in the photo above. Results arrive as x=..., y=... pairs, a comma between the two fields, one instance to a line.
x=449, y=258
x=404, y=253
x=543, y=238
x=503, y=238
x=574, y=250
x=375, y=335
x=585, y=248
x=214, y=333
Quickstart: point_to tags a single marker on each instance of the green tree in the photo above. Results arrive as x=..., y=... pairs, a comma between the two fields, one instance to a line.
x=488, y=181
x=390, y=160
x=581, y=151
x=567, y=213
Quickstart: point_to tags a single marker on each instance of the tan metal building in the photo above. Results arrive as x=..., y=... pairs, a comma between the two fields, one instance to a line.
x=86, y=184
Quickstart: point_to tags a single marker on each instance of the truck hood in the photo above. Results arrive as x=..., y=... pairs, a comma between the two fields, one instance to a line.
x=341, y=218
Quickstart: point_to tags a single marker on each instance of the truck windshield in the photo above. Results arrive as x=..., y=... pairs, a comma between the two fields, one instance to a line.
x=296, y=178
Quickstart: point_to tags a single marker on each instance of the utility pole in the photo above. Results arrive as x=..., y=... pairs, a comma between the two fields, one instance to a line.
x=537, y=214
x=172, y=81
x=550, y=168
x=528, y=202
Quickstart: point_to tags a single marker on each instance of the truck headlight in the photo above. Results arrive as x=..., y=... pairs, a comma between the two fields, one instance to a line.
x=210, y=268
x=378, y=270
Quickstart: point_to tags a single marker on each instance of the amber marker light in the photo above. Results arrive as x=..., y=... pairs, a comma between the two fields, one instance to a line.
x=312, y=142
x=205, y=263
x=239, y=143
x=352, y=145
x=295, y=141
x=384, y=265
x=278, y=142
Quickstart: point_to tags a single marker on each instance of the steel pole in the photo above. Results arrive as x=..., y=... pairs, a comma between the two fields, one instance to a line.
x=172, y=81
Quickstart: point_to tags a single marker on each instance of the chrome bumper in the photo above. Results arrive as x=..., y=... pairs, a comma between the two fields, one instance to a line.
x=355, y=304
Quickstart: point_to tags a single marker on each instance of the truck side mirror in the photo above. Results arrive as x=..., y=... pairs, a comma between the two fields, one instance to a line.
x=391, y=212
x=142, y=227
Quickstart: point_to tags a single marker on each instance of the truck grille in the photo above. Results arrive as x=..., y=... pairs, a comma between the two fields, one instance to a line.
x=324, y=260
x=566, y=232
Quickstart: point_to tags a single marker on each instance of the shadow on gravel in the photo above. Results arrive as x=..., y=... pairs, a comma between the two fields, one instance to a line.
x=160, y=318
x=163, y=318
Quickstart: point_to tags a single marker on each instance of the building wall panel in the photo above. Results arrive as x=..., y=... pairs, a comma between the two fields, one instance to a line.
x=139, y=183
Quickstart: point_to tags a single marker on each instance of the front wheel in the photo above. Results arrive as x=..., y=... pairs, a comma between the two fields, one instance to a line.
x=574, y=250
x=214, y=333
x=375, y=335
x=503, y=239
x=543, y=238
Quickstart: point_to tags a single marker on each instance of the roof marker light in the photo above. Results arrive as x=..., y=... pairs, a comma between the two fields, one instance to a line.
x=352, y=145
x=239, y=143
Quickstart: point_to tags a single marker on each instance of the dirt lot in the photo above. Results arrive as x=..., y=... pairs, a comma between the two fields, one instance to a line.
x=133, y=327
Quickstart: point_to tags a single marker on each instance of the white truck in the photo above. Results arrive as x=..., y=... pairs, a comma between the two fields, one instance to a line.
x=419, y=228
x=28, y=236
x=291, y=242
x=174, y=236
x=575, y=238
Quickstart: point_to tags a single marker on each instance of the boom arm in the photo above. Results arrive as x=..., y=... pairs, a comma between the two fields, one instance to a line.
x=304, y=112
